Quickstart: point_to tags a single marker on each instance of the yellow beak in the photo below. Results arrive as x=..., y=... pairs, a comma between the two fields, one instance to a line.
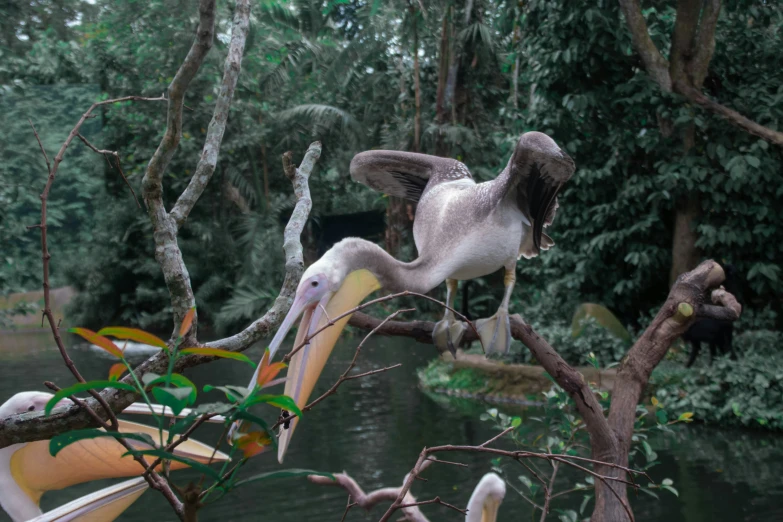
x=35, y=471
x=104, y=505
x=307, y=364
x=489, y=513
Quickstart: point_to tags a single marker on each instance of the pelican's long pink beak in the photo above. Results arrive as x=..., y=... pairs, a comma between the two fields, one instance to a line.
x=301, y=304
x=307, y=364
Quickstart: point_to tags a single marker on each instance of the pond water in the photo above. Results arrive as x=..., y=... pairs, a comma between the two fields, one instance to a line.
x=375, y=427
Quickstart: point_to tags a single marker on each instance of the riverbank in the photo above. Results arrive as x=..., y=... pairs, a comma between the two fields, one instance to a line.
x=473, y=376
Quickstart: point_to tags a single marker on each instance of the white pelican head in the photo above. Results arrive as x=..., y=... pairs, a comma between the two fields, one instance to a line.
x=28, y=470
x=486, y=499
x=330, y=287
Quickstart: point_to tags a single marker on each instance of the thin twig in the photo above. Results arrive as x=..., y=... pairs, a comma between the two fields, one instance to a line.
x=435, y=500
x=43, y=151
x=115, y=154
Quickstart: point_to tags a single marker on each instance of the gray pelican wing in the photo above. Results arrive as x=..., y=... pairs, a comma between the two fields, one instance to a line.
x=534, y=177
x=404, y=174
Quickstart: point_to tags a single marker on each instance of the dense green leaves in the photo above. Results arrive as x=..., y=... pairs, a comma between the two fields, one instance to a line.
x=345, y=76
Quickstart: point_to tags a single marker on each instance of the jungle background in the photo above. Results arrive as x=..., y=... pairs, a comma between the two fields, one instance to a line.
x=460, y=79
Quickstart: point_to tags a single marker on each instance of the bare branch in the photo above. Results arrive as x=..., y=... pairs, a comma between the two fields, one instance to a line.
x=654, y=63
x=116, y=156
x=294, y=260
x=369, y=500
x=209, y=156
x=43, y=151
x=167, y=252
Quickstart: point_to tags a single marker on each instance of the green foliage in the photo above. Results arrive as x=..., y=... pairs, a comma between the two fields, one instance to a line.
x=747, y=392
x=560, y=431
x=342, y=72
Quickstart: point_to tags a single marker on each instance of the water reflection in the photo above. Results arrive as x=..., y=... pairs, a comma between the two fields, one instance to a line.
x=375, y=428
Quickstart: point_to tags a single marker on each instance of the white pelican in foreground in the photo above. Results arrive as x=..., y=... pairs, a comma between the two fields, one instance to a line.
x=486, y=499
x=462, y=230
x=27, y=470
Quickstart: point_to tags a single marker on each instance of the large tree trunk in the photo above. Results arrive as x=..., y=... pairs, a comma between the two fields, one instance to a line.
x=416, y=87
x=685, y=254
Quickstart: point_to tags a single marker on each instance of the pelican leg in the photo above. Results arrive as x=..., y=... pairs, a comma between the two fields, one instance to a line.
x=495, y=331
x=448, y=332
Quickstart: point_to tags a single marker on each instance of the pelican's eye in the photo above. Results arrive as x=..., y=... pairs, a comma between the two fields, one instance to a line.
x=31, y=408
x=314, y=284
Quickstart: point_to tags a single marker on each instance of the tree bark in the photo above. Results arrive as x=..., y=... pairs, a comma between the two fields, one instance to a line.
x=685, y=254
x=693, y=44
x=416, y=86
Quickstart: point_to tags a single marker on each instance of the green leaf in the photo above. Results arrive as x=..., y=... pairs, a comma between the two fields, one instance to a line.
x=134, y=334
x=516, y=422
x=524, y=479
x=233, y=393
x=98, y=340
x=284, y=473
x=175, y=398
x=178, y=380
x=281, y=401
x=83, y=387
x=753, y=161
x=59, y=442
x=662, y=417
x=198, y=466
x=667, y=482
x=217, y=352
x=676, y=493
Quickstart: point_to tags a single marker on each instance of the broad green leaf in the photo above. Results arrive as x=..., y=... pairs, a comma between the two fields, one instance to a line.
x=175, y=398
x=179, y=380
x=687, y=416
x=98, y=340
x=187, y=322
x=211, y=473
x=281, y=401
x=516, y=422
x=217, y=352
x=148, y=378
x=284, y=473
x=58, y=442
x=83, y=387
x=233, y=393
x=662, y=417
x=134, y=334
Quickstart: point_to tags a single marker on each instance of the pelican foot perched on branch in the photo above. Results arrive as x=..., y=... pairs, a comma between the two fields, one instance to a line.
x=448, y=333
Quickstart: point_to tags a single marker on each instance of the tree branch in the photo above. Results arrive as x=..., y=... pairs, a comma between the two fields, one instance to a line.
x=294, y=260
x=735, y=118
x=209, y=156
x=654, y=63
x=116, y=156
x=167, y=252
x=369, y=500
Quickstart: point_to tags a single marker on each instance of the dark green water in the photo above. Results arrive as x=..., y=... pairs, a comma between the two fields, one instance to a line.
x=375, y=427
